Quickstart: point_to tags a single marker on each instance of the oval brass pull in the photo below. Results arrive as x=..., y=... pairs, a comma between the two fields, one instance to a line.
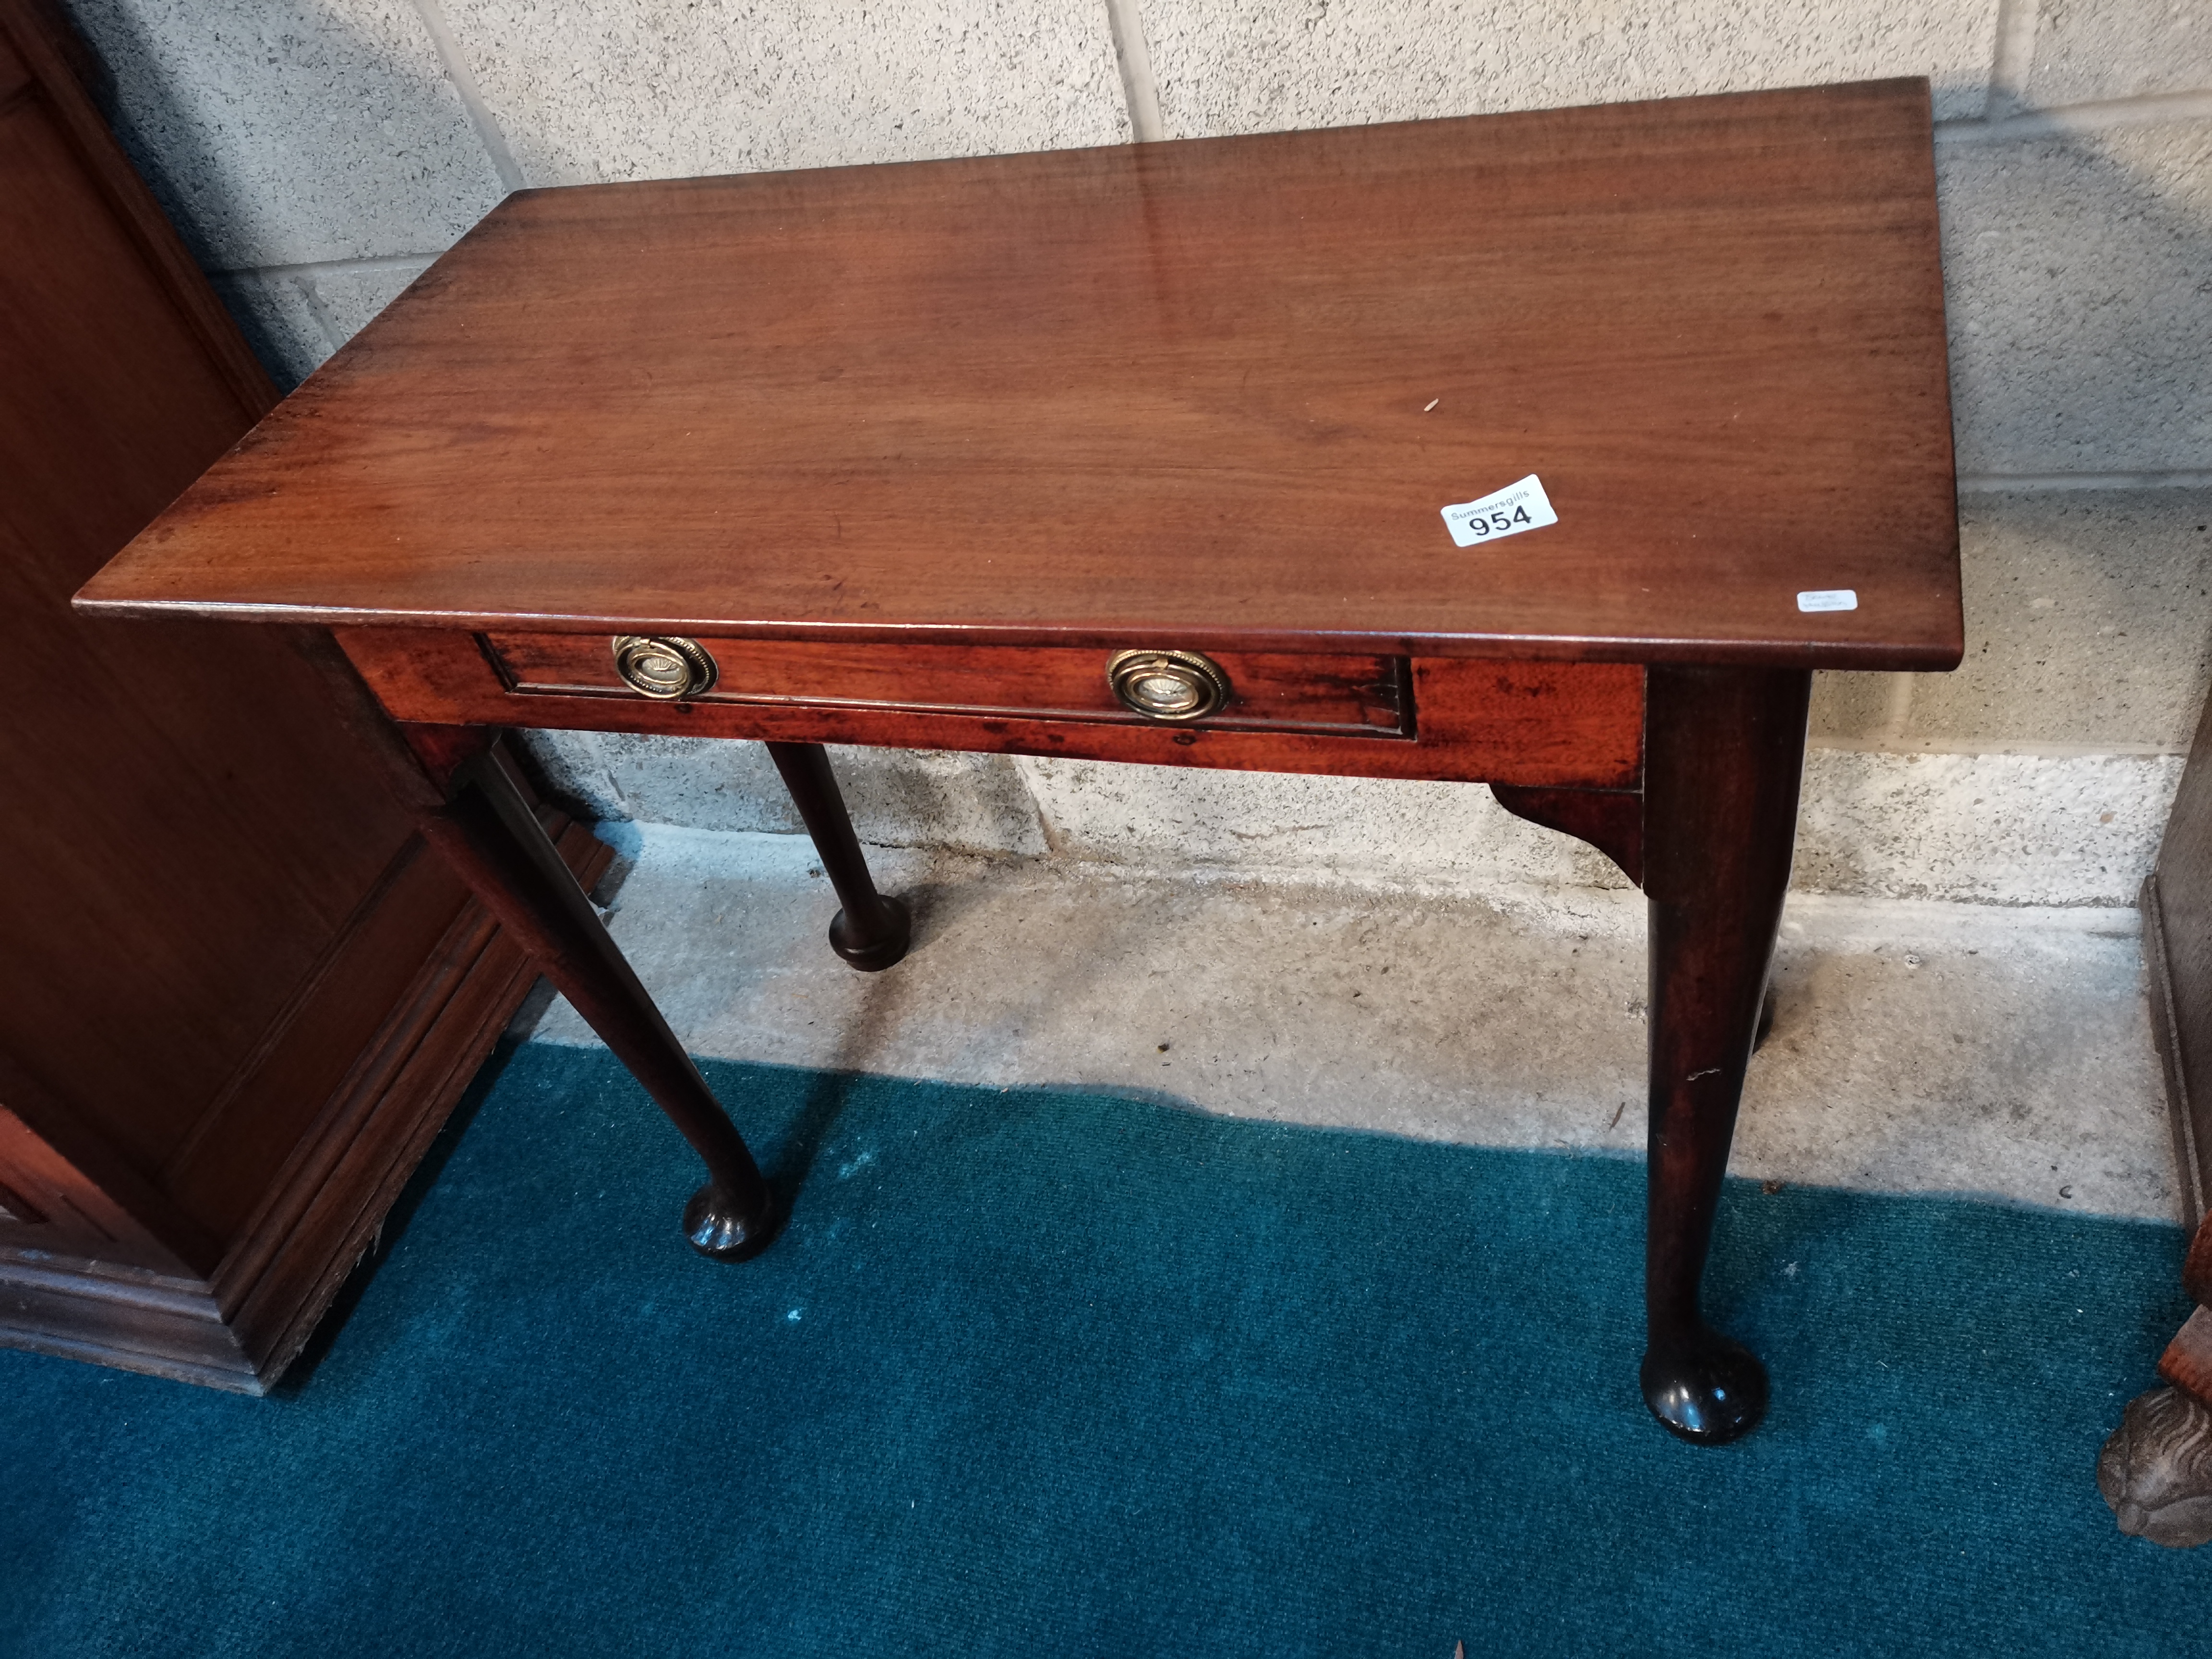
x=664, y=666
x=1168, y=685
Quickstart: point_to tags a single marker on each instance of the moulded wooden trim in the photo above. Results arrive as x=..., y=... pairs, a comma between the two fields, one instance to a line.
x=96, y=599
x=1358, y=694
x=2189, y=1153
x=321, y=1214
x=76, y=1308
x=240, y=1325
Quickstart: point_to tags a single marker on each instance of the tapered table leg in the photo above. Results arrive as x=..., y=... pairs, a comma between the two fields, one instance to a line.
x=1723, y=751
x=871, y=930
x=487, y=832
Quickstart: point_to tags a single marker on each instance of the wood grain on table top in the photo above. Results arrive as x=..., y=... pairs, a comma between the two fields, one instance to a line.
x=1174, y=393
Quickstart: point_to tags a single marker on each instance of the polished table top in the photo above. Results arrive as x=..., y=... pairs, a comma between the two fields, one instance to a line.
x=1215, y=391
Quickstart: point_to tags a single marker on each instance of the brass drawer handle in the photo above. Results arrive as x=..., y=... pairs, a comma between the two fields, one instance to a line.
x=664, y=666
x=1168, y=685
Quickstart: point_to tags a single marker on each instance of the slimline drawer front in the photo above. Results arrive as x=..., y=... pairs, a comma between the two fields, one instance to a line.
x=1472, y=720
x=1333, y=696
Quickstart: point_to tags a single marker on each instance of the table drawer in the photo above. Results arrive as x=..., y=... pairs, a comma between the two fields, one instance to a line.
x=1539, y=724
x=1336, y=696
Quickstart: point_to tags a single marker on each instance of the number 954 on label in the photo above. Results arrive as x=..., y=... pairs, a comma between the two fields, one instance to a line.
x=1502, y=513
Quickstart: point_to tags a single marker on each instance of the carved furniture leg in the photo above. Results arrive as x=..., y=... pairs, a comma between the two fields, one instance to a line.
x=871, y=930
x=488, y=834
x=1724, y=750
x=2156, y=1469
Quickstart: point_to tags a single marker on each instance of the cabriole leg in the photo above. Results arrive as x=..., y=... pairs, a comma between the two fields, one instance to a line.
x=487, y=832
x=871, y=930
x=1723, y=751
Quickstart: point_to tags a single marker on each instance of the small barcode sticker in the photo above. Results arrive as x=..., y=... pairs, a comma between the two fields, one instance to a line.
x=1502, y=513
x=1829, y=598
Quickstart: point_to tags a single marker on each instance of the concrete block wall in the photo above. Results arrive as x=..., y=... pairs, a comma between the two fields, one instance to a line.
x=318, y=153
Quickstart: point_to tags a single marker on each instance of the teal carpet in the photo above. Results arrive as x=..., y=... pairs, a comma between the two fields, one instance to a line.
x=1050, y=1373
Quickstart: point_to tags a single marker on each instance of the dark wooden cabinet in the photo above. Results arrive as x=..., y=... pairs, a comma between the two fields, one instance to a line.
x=237, y=997
x=2177, y=907
x=2156, y=1469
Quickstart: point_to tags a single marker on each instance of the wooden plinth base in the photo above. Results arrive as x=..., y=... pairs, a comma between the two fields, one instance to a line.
x=239, y=1325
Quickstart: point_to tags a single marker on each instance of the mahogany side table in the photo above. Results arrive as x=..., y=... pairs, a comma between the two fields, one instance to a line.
x=1143, y=454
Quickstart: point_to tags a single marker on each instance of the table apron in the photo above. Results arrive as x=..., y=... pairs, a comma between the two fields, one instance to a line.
x=1472, y=719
